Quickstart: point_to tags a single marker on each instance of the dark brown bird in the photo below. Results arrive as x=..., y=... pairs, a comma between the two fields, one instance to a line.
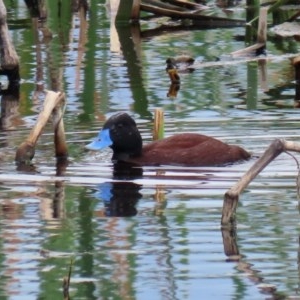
x=186, y=149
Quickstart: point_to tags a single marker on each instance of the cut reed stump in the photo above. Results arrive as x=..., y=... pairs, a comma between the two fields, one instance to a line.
x=9, y=65
x=296, y=64
x=53, y=106
x=231, y=197
x=261, y=36
x=158, y=130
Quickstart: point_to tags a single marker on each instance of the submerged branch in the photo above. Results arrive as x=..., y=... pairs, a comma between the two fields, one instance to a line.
x=186, y=15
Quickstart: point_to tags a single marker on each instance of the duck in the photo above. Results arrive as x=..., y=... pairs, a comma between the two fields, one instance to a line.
x=179, y=63
x=122, y=135
x=171, y=69
x=181, y=60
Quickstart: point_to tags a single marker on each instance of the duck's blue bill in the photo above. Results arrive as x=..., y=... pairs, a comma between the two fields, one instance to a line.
x=103, y=140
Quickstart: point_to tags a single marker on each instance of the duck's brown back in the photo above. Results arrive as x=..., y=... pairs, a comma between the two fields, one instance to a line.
x=189, y=149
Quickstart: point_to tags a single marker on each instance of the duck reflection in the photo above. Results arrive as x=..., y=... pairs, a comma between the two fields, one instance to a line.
x=121, y=197
x=173, y=90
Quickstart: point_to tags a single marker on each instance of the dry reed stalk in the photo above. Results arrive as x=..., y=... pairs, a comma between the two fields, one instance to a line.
x=52, y=107
x=158, y=131
x=231, y=197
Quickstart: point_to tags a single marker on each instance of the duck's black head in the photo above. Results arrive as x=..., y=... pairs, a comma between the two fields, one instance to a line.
x=121, y=134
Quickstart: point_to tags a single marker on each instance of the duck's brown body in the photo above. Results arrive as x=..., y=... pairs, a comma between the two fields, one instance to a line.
x=190, y=149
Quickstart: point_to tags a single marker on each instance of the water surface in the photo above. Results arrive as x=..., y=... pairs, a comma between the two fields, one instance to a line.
x=152, y=233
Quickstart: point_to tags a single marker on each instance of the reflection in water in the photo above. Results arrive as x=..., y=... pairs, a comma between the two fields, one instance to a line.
x=130, y=41
x=231, y=250
x=21, y=239
x=9, y=107
x=173, y=90
x=112, y=9
x=174, y=254
x=120, y=197
x=104, y=245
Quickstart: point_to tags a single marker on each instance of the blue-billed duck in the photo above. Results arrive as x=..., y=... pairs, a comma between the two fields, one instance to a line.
x=121, y=134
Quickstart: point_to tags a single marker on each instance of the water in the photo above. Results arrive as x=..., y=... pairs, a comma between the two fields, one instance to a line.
x=152, y=233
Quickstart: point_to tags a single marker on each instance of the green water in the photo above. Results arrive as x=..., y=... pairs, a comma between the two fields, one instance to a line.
x=153, y=233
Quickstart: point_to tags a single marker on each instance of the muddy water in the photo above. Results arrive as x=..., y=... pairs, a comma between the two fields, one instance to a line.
x=151, y=233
